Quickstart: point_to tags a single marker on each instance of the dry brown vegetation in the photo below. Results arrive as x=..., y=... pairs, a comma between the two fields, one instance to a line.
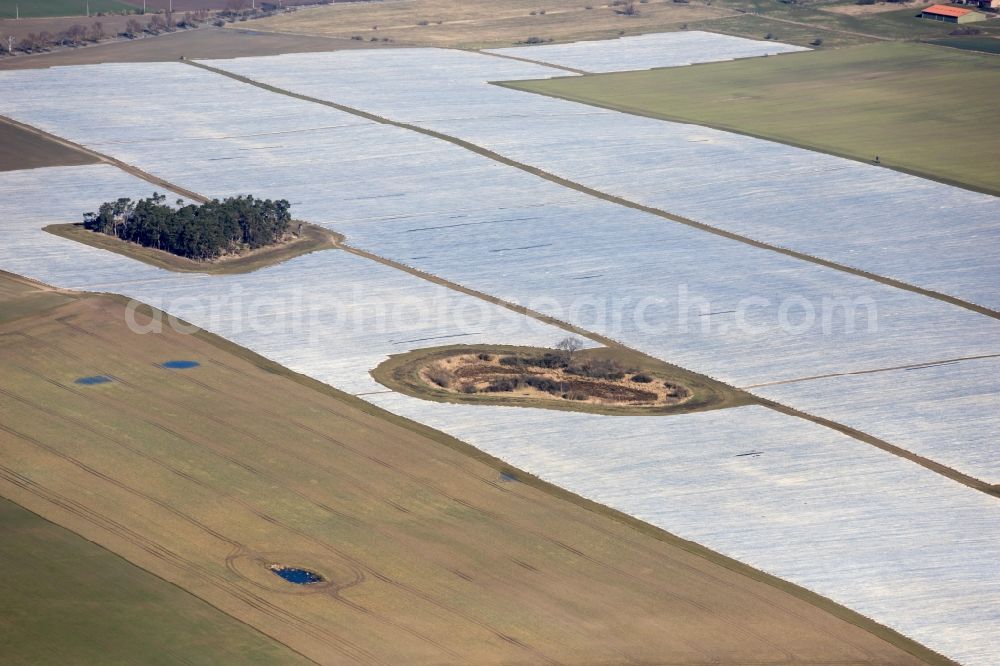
x=613, y=381
x=484, y=23
x=552, y=376
x=204, y=476
x=21, y=28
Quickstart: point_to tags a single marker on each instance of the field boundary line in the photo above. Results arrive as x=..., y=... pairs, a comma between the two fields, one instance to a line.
x=526, y=477
x=621, y=201
x=642, y=113
x=530, y=61
x=860, y=435
x=927, y=463
x=911, y=366
x=105, y=159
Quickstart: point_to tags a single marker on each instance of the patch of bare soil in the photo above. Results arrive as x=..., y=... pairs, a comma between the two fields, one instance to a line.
x=21, y=149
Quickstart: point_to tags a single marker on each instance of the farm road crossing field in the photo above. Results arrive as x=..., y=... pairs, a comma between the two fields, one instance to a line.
x=20, y=149
x=391, y=202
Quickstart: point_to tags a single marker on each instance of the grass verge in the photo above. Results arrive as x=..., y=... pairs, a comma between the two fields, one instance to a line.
x=401, y=373
x=311, y=238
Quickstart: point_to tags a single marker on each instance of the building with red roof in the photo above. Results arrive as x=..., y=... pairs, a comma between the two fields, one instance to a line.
x=951, y=14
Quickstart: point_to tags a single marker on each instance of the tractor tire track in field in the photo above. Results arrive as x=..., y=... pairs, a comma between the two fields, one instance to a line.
x=123, y=405
x=158, y=551
x=243, y=503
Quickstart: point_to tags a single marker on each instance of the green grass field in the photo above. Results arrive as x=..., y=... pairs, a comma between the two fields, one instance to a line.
x=921, y=108
x=68, y=601
x=42, y=8
x=794, y=22
x=983, y=44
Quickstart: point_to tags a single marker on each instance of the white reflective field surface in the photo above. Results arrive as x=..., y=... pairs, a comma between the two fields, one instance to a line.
x=886, y=537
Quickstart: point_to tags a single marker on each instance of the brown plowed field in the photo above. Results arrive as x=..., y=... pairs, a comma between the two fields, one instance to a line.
x=203, y=476
x=21, y=149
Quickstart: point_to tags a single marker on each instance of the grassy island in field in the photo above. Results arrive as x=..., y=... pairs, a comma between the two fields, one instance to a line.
x=593, y=380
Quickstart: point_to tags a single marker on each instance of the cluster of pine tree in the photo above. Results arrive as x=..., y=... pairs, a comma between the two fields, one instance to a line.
x=204, y=231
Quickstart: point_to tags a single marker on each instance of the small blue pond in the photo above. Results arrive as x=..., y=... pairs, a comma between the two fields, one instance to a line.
x=181, y=365
x=297, y=576
x=96, y=379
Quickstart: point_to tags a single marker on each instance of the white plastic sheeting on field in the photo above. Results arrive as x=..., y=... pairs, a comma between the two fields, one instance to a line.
x=467, y=218
x=329, y=314
x=944, y=411
x=807, y=504
x=704, y=302
x=899, y=543
x=218, y=137
x=932, y=235
x=665, y=49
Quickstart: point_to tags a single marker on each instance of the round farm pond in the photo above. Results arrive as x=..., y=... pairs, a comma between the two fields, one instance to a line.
x=90, y=381
x=296, y=575
x=181, y=365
